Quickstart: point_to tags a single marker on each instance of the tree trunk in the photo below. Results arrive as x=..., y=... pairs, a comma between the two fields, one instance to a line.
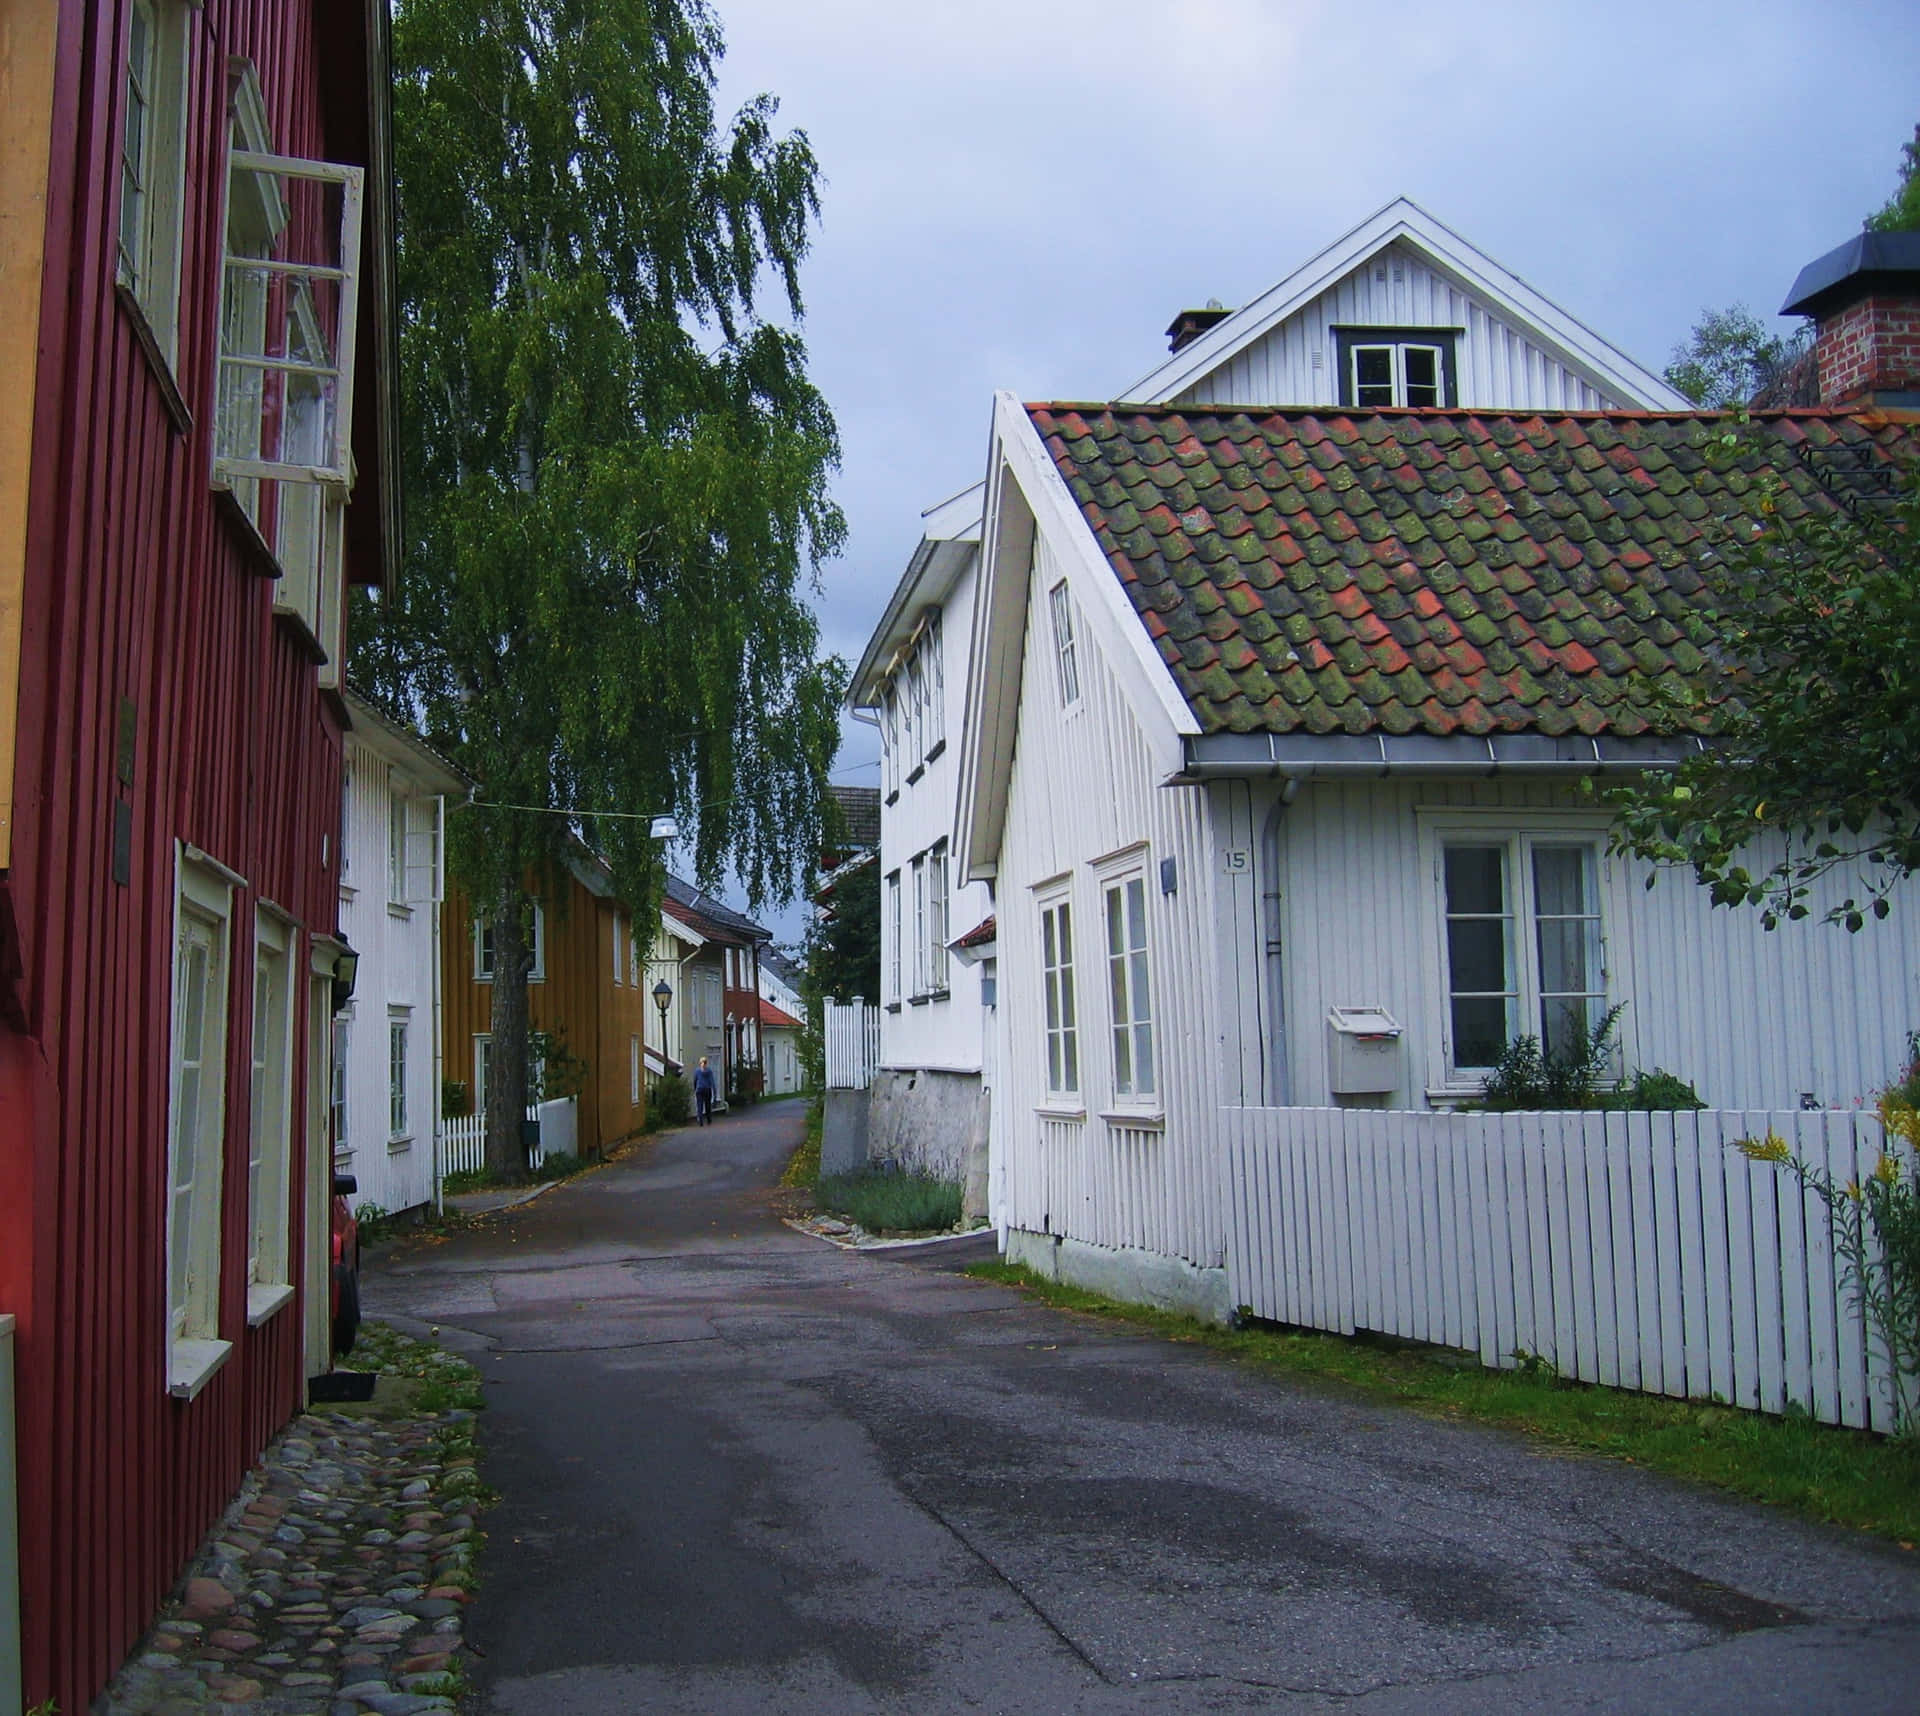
x=506, y=1093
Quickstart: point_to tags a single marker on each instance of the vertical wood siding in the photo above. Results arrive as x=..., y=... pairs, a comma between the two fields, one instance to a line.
x=1753, y=1018
x=1636, y=1250
x=1499, y=368
x=1084, y=784
x=138, y=589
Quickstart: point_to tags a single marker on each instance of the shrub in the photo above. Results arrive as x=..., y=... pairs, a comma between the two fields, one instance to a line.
x=455, y=1103
x=891, y=1203
x=1654, y=1092
x=1524, y=1078
x=669, y=1102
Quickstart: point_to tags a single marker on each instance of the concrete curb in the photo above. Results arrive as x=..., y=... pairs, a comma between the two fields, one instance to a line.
x=866, y=1242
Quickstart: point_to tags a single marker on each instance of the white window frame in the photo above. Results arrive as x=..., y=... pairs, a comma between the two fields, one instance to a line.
x=483, y=947
x=920, y=961
x=399, y=1066
x=1065, y=651
x=934, y=674
x=396, y=843
x=1518, y=833
x=937, y=913
x=633, y=1072
x=270, y=1119
x=482, y=1053
x=619, y=964
x=1064, y=1075
x=890, y=742
x=892, y=929
x=339, y=1108
x=1129, y=971
x=196, y=1119
x=1396, y=350
x=153, y=172
x=255, y=181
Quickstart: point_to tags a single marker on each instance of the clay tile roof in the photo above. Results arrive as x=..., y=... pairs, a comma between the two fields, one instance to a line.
x=1427, y=571
x=860, y=812
x=980, y=935
x=776, y=1018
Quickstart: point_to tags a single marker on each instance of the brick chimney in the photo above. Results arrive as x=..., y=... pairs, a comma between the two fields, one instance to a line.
x=1189, y=325
x=1865, y=301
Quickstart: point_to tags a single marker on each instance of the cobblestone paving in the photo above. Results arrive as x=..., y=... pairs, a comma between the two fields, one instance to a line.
x=334, y=1585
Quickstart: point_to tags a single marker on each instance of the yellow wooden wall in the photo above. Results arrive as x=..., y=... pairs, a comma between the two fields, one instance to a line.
x=578, y=999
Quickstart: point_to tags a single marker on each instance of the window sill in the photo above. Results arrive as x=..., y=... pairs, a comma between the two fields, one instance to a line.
x=939, y=994
x=294, y=623
x=935, y=749
x=1050, y=1111
x=1141, y=1119
x=399, y=909
x=914, y=773
x=918, y=1000
x=264, y=1300
x=348, y=892
x=398, y=1146
x=252, y=544
x=892, y=797
x=191, y=1366
x=893, y=1006
x=156, y=359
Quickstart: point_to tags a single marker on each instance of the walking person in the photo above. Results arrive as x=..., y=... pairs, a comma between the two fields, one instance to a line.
x=703, y=1092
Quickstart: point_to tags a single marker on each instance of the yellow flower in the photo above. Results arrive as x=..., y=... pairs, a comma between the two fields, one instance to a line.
x=1853, y=1190
x=1886, y=1170
x=1772, y=1148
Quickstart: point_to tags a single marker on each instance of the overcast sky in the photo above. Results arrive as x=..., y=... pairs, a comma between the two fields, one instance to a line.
x=1021, y=193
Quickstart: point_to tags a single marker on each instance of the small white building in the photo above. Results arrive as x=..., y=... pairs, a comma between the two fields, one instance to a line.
x=1401, y=311
x=387, y=1053
x=781, y=1013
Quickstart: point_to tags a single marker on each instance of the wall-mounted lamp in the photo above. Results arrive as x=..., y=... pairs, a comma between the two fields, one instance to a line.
x=346, y=968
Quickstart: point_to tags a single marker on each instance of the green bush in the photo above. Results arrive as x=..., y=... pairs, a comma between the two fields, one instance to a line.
x=1653, y=1092
x=891, y=1203
x=1525, y=1078
x=669, y=1102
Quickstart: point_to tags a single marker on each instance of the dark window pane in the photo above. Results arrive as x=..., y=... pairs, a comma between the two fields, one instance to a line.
x=1423, y=374
x=1479, y=1031
x=1477, y=955
x=1564, y=1021
x=1476, y=879
x=1564, y=946
x=1560, y=880
x=1373, y=375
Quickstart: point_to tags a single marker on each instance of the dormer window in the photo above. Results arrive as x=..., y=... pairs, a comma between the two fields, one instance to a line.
x=1396, y=369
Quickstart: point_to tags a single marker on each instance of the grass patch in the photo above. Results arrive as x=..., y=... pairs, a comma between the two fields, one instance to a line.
x=1844, y=1477
x=559, y=1166
x=891, y=1203
x=803, y=1166
x=440, y=1381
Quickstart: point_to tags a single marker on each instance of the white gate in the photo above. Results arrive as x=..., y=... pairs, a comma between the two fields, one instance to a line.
x=853, y=1045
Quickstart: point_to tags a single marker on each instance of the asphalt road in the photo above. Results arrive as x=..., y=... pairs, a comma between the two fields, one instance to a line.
x=743, y=1471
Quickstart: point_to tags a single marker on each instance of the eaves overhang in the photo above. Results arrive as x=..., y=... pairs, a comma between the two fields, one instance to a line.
x=1309, y=756
x=930, y=574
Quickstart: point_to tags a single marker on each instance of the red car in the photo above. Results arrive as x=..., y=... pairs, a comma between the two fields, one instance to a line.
x=345, y=1301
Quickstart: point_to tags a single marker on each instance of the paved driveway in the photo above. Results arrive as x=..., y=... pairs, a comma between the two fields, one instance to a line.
x=742, y=1471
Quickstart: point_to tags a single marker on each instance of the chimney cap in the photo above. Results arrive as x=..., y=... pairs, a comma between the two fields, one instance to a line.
x=1189, y=325
x=1867, y=262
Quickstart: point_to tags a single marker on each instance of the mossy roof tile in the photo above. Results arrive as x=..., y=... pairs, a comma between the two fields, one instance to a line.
x=1429, y=571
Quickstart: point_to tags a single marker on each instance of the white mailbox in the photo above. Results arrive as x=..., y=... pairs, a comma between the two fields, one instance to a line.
x=1363, y=1051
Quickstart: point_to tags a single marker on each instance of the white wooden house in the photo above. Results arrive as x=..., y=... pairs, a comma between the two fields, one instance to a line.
x=781, y=1011
x=1401, y=310
x=387, y=1060
x=1280, y=722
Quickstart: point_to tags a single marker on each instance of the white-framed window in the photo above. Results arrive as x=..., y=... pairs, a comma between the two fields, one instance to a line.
x=482, y=1058
x=270, y=1121
x=1060, y=605
x=1062, y=1023
x=396, y=845
x=934, y=673
x=289, y=294
x=1129, y=988
x=893, y=927
x=196, y=1121
x=917, y=711
x=633, y=1072
x=153, y=167
x=342, y=1136
x=399, y=1033
x=920, y=971
x=937, y=919
x=483, y=948
x=1395, y=368
x=890, y=743
x=619, y=952
x=1523, y=946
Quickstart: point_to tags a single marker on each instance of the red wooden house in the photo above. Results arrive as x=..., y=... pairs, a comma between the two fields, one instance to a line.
x=196, y=453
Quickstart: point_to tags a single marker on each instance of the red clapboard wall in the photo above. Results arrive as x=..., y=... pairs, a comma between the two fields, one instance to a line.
x=139, y=588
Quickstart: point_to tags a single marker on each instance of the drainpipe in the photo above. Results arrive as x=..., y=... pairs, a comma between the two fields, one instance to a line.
x=439, y=1038
x=1279, y=1079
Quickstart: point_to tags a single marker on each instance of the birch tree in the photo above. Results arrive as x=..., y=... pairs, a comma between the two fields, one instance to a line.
x=616, y=467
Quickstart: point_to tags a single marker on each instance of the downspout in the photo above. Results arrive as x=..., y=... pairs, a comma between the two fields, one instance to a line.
x=1279, y=1076
x=439, y=1040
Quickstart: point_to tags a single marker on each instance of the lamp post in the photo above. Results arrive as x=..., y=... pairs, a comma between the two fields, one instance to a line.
x=663, y=998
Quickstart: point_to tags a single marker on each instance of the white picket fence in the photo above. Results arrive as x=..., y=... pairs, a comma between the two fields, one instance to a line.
x=463, y=1141
x=853, y=1045
x=1637, y=1250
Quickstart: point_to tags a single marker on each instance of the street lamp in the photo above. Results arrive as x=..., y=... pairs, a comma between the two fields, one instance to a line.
x=662, y=998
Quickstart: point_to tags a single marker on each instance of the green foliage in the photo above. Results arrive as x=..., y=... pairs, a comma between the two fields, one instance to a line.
x=1901, y=212
x=1653, y=1092
x=843, y=943
x=441, y=1380
x=374, y=1221
x=669, y=1101
x=1525, y=1078
x=616, y=468
x=456, y=1100
x=803, y=1166
x=1845, y=1477
x=562, y=1073
x=1729, y=357
x=1813, y=696
x=891, y=1203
